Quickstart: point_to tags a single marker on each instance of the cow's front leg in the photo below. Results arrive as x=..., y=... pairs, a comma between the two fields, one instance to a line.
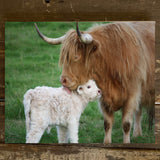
x=127, y=123
x=137, y=130
x=108, y=123
x=131, y=106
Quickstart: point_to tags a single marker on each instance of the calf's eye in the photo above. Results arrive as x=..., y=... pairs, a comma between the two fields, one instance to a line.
x=88, y=87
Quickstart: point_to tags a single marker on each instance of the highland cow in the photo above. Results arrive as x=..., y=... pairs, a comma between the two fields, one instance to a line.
x=120, y=57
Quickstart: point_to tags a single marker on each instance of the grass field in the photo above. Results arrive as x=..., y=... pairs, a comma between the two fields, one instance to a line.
x=30, y=62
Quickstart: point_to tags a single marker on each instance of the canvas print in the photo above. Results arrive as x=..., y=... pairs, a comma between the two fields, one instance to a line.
x=79, y=82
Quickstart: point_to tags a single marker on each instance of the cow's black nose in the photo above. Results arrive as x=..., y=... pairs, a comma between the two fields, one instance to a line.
x=64, y=81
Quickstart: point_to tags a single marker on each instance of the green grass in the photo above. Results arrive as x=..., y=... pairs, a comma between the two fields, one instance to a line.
x=30, y=62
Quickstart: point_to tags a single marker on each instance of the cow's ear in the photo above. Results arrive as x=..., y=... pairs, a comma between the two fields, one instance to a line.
x=93, y=46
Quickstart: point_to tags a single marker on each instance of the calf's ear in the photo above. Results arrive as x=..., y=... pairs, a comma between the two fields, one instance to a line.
x=80, y=89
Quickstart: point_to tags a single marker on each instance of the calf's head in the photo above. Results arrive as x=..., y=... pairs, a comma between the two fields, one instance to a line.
x=89, y=90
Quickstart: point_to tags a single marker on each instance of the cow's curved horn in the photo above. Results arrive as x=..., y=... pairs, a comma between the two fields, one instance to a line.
x=85, y=38
x=49, y=40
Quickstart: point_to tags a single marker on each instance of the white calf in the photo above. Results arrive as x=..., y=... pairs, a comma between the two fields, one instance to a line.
x=47, y=106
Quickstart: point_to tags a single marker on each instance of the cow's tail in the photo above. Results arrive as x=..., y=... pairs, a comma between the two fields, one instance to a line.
x=27, y=108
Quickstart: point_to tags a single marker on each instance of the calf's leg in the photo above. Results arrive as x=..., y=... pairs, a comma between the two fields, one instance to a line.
x=62, y=134
x=35, y=133
x=73, y=131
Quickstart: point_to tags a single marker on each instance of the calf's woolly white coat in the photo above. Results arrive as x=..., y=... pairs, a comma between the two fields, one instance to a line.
x=46, y=106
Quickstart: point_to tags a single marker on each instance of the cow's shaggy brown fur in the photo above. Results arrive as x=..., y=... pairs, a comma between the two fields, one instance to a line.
x=121, y=61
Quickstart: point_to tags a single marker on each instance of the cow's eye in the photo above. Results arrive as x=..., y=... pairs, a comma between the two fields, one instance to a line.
x=88, y=87
x=77, y=57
